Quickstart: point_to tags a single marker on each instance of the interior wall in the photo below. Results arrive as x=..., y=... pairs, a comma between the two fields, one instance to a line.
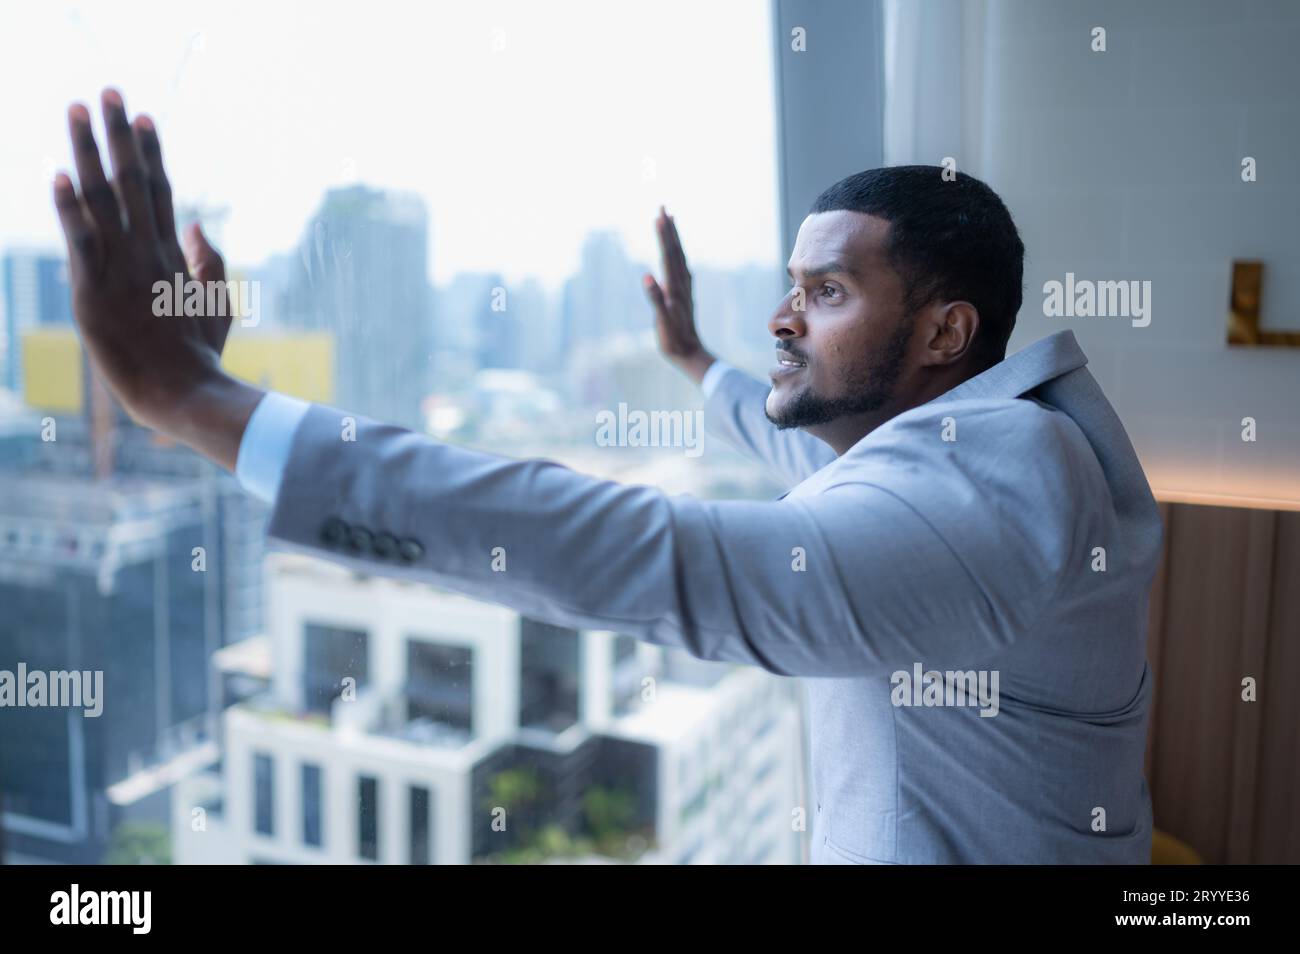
x=1126, y=165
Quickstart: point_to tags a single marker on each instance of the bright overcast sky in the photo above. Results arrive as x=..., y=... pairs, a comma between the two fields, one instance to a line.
x=518, y=152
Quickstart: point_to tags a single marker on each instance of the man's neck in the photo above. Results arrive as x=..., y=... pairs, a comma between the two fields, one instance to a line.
x=843, y=432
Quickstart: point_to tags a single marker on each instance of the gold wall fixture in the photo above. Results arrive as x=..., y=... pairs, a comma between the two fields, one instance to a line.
x=1243, y=311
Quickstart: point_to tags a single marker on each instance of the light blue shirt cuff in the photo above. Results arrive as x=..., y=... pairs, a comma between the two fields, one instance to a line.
x=712, y=376
x=264, y=448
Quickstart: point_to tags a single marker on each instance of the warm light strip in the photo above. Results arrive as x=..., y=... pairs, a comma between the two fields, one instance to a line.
x=1224, y=500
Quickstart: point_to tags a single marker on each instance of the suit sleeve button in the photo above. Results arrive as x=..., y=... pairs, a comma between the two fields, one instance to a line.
x=384, y=545
x=410, y=550
x=359, y=539
x=334, y=531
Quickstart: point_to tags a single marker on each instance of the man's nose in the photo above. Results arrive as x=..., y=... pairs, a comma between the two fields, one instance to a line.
x=787, y=321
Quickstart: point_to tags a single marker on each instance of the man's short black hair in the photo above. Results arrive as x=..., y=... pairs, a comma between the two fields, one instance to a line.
x=949, y=239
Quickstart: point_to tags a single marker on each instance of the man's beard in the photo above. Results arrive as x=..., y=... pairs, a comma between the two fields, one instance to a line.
x=868, y=391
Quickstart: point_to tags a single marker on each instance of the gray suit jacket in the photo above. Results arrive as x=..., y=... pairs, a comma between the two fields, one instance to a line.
x=1003, y=531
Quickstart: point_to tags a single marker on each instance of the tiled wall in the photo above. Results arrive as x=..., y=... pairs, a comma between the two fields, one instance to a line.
x=1127, y=165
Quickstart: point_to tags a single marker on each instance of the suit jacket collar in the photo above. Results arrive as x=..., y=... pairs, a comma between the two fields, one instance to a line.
x=1025, y=370
x=1031, y=367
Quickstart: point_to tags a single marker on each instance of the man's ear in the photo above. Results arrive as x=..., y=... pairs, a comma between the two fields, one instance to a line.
x=950, y=331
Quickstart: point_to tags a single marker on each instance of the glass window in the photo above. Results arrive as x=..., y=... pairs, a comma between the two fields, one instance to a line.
x=333, y=655
x=548, y=676
x=368, y=817
x=311, y=806
x=474, y=276
x=628, y=676
x=421, y=805
x=263, y=794
x=440, y=684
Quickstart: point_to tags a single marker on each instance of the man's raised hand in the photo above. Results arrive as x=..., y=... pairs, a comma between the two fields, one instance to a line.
x=121, y=234
x=673, y=306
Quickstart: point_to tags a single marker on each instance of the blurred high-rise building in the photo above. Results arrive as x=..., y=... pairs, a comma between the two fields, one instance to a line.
x=603, y=299
x=57, y=388
x=36, y=295
x=475, y=328
x=485, y=322
x=143, y=572
x=102, y=577
x=732, y=308
x=362, y=275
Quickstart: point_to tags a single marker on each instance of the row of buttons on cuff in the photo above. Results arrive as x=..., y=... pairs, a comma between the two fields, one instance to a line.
x=335, y=533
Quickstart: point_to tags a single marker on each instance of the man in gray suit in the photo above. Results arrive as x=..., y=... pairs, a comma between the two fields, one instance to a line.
x=960, y=569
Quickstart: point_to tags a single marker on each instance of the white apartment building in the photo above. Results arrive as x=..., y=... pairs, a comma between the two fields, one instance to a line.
x=401, y=724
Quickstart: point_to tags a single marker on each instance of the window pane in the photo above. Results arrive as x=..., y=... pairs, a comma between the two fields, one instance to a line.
x=474, y=275
x=440, y=684
x=548, y=679
x=368, y=817
x=421, y=825
x=264, y=794
x=332, y=656
x=311, y=805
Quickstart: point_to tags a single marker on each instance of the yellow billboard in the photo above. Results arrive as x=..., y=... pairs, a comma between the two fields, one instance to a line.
x=300, y=364
x=52, y=377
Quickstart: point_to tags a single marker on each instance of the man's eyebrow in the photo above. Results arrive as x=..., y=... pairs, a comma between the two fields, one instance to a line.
x=830, y=268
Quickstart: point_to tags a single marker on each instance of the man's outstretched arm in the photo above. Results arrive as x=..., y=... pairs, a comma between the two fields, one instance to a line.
x=838, y=584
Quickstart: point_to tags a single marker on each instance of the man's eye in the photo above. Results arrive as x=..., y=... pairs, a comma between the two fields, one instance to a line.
x=829, y=291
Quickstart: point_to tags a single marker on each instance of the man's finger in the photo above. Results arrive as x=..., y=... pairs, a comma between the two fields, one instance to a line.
x=204, y=261
x=655, y=294
x=160, y=189
x=206, y=265
x=681, y=274
x=129, y=177
x=665, y=252
x=673, y=259
x=83, y=244
x=99, y=195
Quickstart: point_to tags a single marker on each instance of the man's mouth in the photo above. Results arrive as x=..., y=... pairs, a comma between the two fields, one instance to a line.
x=787, y=363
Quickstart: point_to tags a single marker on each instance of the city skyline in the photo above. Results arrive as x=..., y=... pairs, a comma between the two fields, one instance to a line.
x=355, y=274
x=497, y=207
